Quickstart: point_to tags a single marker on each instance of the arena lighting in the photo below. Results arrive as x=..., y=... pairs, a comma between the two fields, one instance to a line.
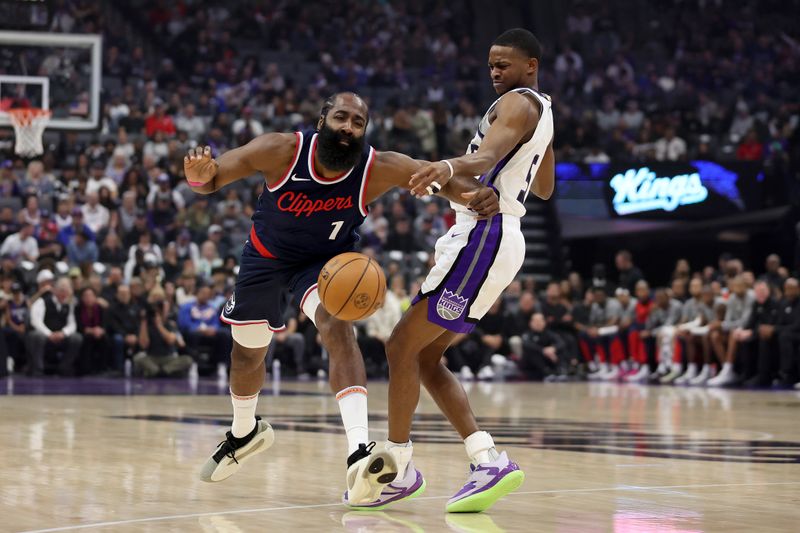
x=638, y=190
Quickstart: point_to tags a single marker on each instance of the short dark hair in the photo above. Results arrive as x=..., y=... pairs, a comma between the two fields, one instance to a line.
x=522, y=40
x=331, y=101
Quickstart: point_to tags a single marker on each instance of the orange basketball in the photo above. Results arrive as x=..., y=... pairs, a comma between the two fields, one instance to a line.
x=351, y=286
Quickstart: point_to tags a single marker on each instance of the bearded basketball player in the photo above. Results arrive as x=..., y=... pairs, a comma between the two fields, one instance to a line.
x=318, y=186
x=476, y=260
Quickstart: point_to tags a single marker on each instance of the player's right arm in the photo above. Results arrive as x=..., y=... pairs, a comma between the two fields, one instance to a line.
x=516, y=116
x=269, y=154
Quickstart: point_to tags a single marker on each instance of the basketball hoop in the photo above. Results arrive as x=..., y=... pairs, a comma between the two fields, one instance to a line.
x=29, y=124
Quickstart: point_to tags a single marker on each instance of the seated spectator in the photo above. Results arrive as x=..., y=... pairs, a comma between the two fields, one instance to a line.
x=199, y=323
x=787, y=332
x=289, y=346
x=112, y=252
x=189, y=122
x=557, y=314
x=518, y=322
x=22, y=244
x=401, y=237
x=758, y=346
x=659, y=331
x=697, y=340
x=542, y=351
x=772, y=274
x=492, y=329
x=723, y=342
x=91, y=322
x=602, y=333
x=99, y=179
x=629, y=273
x=636, y=324
x=95, y=215
x=670, y=147
x=123, y=327
x=54, y=330
x=379, y=327
x=159, y=120
x=17, y=316
x=160, y=340
x=66, y=233
x=81, y=251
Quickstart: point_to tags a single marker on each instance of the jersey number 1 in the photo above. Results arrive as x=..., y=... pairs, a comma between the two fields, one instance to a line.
x=336, y=227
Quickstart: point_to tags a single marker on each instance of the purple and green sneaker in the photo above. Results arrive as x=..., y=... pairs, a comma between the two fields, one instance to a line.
x=487, y=483
x=409, y=487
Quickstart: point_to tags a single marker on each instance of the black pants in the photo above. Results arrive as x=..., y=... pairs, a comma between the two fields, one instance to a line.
x=470, y=352
x=39, y=345
x=96, y=355
x=789, y=349
x=534, y=365
x=374, y=352
x=220, y=345
x=292, y=348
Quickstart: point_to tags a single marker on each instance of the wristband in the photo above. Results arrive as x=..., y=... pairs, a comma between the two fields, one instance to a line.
x=450, y=166
x=195, y=183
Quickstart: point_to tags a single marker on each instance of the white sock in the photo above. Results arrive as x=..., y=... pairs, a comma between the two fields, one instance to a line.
x=727, y=368
x=244, y=414
x=401, y=451
x=353, y=407
x=480, y=448
x=692, y=370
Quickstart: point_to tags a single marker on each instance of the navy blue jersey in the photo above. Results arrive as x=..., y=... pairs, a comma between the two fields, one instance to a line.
x=304, y=216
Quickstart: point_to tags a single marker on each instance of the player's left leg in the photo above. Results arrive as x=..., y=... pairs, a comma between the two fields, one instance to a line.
x=492, y=475
x=367, y=472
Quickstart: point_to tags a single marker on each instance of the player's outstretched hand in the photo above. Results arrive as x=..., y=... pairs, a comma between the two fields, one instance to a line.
x=429, y=179
x=484, y=201
x=199, y=167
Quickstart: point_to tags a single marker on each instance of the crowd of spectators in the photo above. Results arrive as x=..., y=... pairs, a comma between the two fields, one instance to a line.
x=107, y=256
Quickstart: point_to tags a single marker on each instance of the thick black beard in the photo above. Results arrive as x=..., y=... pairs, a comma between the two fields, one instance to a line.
x=335, y=156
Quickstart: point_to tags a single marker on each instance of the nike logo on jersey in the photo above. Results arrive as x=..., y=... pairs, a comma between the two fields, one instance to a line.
x=454, y=235
x=295, y=178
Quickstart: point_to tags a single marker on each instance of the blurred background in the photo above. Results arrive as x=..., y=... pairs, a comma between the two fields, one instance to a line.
x=678, y=159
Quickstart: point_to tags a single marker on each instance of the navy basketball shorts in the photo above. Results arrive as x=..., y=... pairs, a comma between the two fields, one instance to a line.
x=258, y=297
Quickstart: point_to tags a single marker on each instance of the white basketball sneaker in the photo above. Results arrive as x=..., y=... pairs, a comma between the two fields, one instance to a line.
x=368, y=473
x=232, y=452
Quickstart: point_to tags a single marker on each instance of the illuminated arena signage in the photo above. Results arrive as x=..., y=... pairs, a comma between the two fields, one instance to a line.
x=639, y=190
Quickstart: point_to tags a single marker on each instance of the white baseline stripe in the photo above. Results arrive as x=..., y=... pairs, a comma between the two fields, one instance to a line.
x=321, y=505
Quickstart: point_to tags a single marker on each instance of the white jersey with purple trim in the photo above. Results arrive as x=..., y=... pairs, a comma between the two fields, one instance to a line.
x=513, y=175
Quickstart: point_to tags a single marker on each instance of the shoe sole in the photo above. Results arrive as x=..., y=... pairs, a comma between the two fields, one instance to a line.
x=381, y=470
x=411, y=496
x=213, y=472
x=480, y=502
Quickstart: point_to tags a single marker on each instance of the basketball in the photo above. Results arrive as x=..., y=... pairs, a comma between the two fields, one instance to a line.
x=351, y=286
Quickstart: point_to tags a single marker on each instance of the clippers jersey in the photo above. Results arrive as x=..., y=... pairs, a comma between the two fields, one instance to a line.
x=513, y=175
x=305, y=216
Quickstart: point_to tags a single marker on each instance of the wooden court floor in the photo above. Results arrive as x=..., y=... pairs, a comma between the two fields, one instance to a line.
x=121, y=456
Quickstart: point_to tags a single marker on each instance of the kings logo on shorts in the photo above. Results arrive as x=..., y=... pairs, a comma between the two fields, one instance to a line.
x=450, y=305
x=231, y=303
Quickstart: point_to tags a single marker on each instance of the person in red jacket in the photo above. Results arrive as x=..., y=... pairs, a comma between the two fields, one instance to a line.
x=159, y=120
x=750, y=149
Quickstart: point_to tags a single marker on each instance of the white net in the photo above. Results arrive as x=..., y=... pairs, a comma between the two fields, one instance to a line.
x=29, y=125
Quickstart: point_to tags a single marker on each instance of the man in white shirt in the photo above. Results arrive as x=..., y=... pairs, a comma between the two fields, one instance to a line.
x=95, y=215
x=54, y=330
x=193, y=125
x=99, y=179
x=247, y=121
x=21, y=244
x=670, y=147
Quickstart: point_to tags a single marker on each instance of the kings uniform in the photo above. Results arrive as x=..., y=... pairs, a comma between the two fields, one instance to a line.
x=477, y=259
x=300, y=223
